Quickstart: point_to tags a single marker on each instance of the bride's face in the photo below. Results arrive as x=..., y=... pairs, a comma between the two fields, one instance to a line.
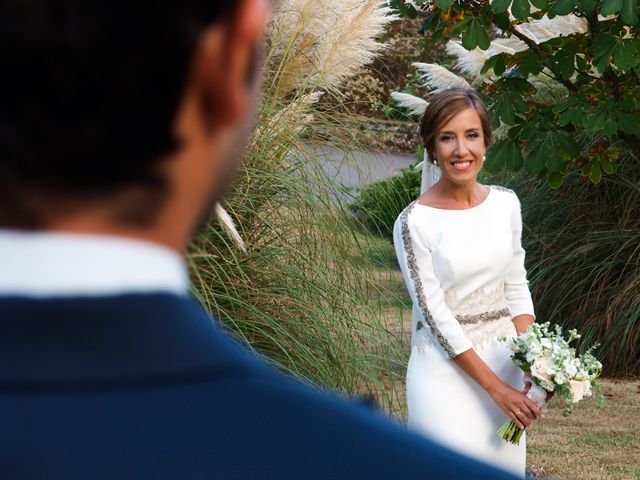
x=460, y=147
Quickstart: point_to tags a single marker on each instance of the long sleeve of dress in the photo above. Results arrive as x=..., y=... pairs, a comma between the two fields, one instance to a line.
x=516, y=287
x=424, y=287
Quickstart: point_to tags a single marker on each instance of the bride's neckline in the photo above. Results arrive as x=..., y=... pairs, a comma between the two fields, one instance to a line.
x=417, y=202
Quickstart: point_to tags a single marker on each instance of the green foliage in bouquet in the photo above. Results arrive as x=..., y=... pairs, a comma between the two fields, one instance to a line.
x=556, y=70
x=379, y=204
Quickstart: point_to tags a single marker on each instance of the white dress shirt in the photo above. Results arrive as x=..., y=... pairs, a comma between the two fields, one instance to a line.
x=66, y=264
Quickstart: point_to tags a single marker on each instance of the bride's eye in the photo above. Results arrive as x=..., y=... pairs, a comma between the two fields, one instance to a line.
x=474, y=135
x=445, y=138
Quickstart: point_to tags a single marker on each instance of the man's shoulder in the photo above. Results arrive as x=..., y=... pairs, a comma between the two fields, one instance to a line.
x=165, y=381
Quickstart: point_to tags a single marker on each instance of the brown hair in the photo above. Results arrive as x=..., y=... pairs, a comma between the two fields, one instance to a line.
x=443, y=107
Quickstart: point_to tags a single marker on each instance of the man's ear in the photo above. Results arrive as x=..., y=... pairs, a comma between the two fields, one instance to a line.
x=226, y=63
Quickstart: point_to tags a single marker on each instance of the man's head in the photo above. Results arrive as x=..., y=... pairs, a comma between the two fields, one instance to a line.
x=122, y=113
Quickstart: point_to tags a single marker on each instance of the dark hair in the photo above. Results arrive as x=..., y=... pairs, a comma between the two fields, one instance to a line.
x=443, y=106
x=88, y=93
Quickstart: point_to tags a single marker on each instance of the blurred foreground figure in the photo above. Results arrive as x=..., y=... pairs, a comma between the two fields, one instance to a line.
x=119, y=126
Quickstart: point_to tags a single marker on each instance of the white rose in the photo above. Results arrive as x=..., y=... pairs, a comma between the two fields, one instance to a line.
x=576, y=391
x=540, y=371
x=579, y=390
x=586, y=388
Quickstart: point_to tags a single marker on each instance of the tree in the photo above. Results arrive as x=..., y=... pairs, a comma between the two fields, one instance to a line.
x=560, y=77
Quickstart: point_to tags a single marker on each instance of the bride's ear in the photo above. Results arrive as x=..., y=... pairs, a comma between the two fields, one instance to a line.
x=226, y=63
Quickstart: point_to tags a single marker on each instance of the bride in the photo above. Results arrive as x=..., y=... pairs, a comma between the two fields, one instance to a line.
x=459, y=250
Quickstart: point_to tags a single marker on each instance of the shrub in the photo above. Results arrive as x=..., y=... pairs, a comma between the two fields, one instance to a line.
x=378, y=205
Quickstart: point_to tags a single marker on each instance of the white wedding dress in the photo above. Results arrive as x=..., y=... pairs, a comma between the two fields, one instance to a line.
x=465, y=272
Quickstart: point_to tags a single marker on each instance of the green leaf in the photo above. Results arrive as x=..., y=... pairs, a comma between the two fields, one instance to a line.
x=568, y=144
x=564, y=7
x=587, y=7
x=460, y=27
x=505, y=111
x=609, y=7
x=581, y=62
x=610, y=125
x=556, y=180
x=546, y=150
x=430, y=22
x=410, y=11
x=497, y=63
x=629, y=122
x=603, y=47
x=483, y=38
x=629, y=12
x=502, y=21
x=471, y=36
x=531, y=64
x=496, y=157
x=541, y=4
x=586, y=169
x=476, y=34
x=612, y=153
x=623, y=54
x=514, y=157
x=568, y=116
x=564, y=61
x=568, y=103
x=519, y=85
x=595, y=173
x=519, y=104
x=536, y=160
x=555, y=162
x=521, y=9
x=444, y=4
x=500, y=6
x=606, y=165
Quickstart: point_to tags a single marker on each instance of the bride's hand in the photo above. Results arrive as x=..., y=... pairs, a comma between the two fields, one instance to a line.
x=518, y=407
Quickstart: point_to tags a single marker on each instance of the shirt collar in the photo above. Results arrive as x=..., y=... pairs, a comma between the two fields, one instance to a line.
x=66, y=264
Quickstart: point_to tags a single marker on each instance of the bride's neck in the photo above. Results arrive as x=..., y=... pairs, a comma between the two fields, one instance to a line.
x=465, y=195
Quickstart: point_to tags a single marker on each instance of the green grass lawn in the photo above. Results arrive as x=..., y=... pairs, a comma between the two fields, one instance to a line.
x=590, y=444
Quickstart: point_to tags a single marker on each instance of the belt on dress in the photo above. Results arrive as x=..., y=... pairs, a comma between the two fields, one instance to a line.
x=483, y=317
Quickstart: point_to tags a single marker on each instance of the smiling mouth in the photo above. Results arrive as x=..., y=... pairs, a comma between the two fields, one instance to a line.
x=461, y=166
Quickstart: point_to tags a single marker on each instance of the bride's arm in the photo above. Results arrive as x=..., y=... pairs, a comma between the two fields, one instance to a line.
x=516, y=286
x=521, y=409
x=522, y=322
x=427, y=295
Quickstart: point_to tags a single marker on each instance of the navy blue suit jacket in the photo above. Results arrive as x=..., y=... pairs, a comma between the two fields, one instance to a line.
x=148, y=387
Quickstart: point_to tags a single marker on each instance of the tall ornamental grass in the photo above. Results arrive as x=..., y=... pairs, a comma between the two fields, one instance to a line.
x=583, y=259
x=299, y=293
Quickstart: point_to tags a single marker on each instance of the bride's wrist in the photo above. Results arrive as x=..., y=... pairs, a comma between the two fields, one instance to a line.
x=493, y=387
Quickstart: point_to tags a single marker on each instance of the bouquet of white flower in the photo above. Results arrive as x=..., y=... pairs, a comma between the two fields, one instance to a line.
x=554, y=367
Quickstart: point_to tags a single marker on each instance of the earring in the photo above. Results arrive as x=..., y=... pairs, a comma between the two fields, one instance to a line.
x=435, y=161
